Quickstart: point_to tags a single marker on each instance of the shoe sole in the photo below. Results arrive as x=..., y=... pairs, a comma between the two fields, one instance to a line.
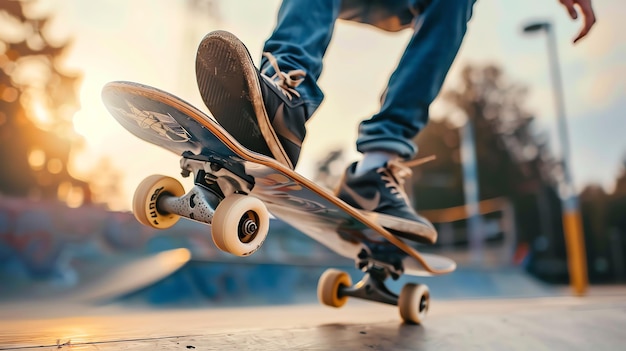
x=230, y=88
x=411, y=230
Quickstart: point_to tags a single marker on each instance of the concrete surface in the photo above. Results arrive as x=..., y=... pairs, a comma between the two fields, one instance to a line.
x=595, y=322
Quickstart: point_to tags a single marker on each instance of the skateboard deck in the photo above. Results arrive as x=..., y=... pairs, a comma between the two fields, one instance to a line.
x=169, y=122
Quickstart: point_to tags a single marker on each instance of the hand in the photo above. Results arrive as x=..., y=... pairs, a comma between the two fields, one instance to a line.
x=588, y=15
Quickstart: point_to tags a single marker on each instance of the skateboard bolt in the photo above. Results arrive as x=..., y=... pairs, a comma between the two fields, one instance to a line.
x=251, y=227
x=248, y=229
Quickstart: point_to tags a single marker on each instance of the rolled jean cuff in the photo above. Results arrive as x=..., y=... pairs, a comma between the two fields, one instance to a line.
x=405, y=149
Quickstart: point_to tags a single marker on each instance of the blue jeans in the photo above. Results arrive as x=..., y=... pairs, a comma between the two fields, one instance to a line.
x=304, y=30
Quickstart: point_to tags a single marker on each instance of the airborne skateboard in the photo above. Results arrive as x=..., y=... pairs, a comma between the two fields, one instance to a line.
x=236, y=189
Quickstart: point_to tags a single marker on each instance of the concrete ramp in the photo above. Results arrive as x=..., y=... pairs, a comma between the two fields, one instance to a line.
x=594, y=323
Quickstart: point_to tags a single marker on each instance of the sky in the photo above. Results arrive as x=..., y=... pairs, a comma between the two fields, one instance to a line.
x=154, y=42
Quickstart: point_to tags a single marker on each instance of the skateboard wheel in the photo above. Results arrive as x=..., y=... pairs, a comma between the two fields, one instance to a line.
x=329, y=287
x=146, y=198
x=240, y=224
x=414, y=302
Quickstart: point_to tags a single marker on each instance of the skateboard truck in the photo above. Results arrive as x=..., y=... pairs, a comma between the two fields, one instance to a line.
x=371, y=286
x=198, y=204
x=212, y=184
x=239, y=223
x=335, y=286
x=212, y=175
x=391, y=264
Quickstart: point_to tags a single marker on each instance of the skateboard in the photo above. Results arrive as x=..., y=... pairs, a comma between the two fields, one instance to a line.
x=235, y=190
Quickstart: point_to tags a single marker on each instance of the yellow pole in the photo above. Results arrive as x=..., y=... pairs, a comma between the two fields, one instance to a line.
x=575, y=246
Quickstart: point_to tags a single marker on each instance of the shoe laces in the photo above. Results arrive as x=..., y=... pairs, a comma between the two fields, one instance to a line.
x=286, y=82
x=394, y=175
x=396, y=172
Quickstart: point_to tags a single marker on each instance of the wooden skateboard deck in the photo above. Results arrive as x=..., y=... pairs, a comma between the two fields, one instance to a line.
x=235, y=189
x=169, y=122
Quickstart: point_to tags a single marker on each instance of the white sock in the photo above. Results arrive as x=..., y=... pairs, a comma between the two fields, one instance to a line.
x=372, y=160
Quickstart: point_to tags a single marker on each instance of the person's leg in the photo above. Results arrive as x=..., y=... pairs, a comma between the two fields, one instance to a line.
x=303, y=31
x=267, y=111
x=417, y=79
x=375, y=184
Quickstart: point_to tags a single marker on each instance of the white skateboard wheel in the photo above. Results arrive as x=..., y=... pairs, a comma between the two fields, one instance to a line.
x=240, y=224
x=414, y=302
x=146, y=198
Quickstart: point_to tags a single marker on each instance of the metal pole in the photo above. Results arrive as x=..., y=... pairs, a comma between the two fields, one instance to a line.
x=557, y=88
x=572, y=222
x=472, y=193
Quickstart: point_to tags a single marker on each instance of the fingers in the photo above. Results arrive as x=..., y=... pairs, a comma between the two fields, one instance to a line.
x=569, y=5
x=589, y=18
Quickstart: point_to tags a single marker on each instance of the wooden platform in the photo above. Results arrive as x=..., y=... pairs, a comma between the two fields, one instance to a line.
x=595, y=322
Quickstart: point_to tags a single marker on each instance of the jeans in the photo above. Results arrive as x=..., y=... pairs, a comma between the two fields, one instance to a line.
x=304, y=29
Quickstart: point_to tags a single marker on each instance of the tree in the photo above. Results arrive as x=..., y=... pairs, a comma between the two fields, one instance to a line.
x=514, y=161
x=512, y=156
x=37, y=102
x=439, y=183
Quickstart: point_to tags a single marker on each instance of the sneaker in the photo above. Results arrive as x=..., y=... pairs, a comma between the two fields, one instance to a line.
x=265, y=114
x=380, y=194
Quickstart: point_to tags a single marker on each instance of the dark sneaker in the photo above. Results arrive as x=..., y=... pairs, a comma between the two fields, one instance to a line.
x=265, y=114
x=380, y=194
